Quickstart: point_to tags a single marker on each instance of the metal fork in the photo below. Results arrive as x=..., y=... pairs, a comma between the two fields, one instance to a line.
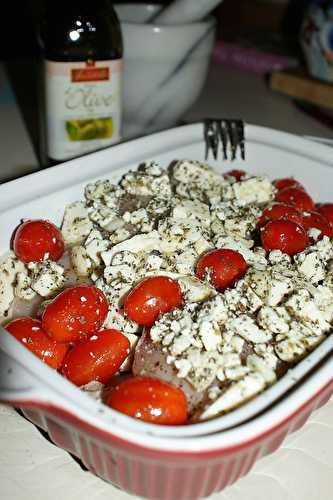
x=226, y=131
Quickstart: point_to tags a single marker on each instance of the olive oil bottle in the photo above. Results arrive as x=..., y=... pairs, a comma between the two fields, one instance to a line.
x=82, y=77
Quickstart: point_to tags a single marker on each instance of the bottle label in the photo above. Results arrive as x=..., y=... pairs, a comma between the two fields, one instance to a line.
x=83, y=106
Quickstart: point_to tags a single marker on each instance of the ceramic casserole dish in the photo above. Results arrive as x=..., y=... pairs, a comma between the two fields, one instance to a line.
x=135, y=456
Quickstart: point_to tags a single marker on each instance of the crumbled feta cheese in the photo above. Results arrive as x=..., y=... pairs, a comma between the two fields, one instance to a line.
x=116, y=320
x=277, y=290
x=231, y=219
x=76, y=224
x=314, y=233
x=278, y=257
x=23, y=288
x=257, y=364
x=149, y=180
x=10, y=266
x=179, y=234
x=246, y=327
x=94, y=247
x=310, y=266
x=94, y=389
x=99, y=190
x=197, y=181
x=237, y=393
x=323, y=297
x=138, y=243
x=81, y=262
x=273, y=320
x=304, y=308
x=210, y=336
x=290, y=350
x=154, y=261
x=258, y=190
x=183, y=366
x=191, y=209
x=47, y=277
x=195, y=290
x=124, y=272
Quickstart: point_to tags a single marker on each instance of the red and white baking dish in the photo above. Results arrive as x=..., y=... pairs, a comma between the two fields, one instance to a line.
x=140, y=458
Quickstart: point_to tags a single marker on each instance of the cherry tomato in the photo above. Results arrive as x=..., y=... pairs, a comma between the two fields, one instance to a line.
x=150, y=298
x=284, y=235
x=31, y=334
x=75, y=314
x=287, y=182
x=280, y=211
x=297, y=197
x=223, y=266
x=315, y=219
x=237, y=174
x=326, y=210
x=151, y=400
x=37, y=240
x=98, y=358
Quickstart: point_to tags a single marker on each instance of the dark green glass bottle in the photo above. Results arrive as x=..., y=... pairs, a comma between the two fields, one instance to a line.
x=82, y=74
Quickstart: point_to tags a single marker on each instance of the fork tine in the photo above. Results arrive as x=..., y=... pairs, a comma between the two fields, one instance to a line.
x=226, y=131
x=240, y=138
x=221, y=127
x=211, y=137
x=232, y=139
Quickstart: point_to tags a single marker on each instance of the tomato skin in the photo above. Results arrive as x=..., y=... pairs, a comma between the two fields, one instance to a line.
x=284, y=235
x=36, y=240
x=98, y=358
x=30, y=333
x=151, y=400
x=75, y=314
x=316, y=220
x=280, y=211
x=297, y=197
x=287, y=182
x=237, y=174
x=326, y=210
x=225, y=267
x=151, y=297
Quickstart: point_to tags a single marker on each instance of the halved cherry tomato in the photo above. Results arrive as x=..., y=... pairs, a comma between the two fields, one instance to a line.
x=75, y=314
x=237, y=174
x=150, y=298
x=316, y=220
x=223, y=266
x=297, y=197
x=151, y=400
x=326, y=210
x=98, y=358
x=31, y=334
x=287, y=182
x=284, y=235
x=280, y=211
x=37, y=240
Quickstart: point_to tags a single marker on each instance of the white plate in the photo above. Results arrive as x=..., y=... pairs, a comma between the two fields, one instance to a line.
x=45, y=194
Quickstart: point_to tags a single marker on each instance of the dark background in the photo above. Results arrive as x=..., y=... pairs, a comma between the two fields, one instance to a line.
x=235, y=17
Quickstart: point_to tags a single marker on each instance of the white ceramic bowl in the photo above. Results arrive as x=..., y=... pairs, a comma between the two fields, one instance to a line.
x=165, y=68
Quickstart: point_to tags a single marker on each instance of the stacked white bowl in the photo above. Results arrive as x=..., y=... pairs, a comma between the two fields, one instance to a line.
x=165, y=67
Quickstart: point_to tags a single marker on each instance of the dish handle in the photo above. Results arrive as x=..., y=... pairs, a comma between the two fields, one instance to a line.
x=18, y=384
